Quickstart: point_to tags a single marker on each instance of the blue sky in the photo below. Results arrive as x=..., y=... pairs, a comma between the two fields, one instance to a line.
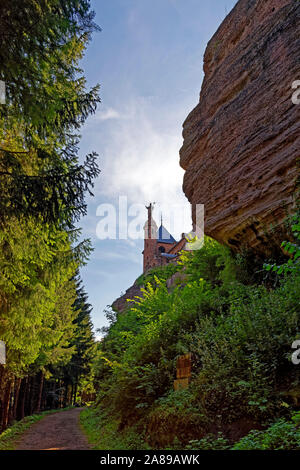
x=148, y=60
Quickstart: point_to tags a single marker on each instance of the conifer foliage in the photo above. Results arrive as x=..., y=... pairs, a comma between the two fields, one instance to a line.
x=44, y=313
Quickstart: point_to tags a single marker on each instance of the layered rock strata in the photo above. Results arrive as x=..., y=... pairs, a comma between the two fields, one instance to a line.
x=242, y=141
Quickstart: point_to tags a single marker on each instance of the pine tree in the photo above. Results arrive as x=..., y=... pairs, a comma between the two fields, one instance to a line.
x=83, y=342
x=43, y=188
x=41, y=44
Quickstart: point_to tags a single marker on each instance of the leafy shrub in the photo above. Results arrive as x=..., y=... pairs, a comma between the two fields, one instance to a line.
x=175, y=419
x=292, y=249
x=209, y=442
x=242, y=355
x=162, y=273
x=239, y=333
x=282, y=435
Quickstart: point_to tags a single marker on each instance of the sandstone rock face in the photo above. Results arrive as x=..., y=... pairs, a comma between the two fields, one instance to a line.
x=121, y=304
x=242, y=141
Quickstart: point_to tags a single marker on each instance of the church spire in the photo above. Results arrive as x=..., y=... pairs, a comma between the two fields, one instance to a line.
x=150, y=240
x=150, y=227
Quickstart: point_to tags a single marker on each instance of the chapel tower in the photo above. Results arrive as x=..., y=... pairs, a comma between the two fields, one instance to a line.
x=150, y=235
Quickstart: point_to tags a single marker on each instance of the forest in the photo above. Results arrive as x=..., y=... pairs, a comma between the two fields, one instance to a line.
x=44, y=311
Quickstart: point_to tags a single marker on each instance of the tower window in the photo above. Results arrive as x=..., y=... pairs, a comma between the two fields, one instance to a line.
x=161, y=249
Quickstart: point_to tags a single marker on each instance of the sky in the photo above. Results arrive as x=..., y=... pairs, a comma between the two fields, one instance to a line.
x=148, y=60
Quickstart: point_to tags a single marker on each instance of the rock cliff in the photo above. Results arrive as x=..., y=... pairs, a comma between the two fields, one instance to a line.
x=242, y=141
x=121, y=304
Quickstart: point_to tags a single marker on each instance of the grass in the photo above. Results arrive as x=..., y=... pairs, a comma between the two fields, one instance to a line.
x=103, y=432
x=10, y=437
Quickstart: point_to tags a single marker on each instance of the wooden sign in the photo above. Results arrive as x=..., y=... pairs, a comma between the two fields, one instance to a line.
x=2, y=353
x=184, y=366
x=183, y=371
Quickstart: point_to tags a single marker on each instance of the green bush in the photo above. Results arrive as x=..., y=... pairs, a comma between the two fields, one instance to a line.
x=209, y=442
x=282, y=435
x=292, y=249
x=244, y=356
x=162, y=273
x=239, y=333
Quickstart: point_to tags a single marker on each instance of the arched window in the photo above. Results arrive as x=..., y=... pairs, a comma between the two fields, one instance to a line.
x=161, y=249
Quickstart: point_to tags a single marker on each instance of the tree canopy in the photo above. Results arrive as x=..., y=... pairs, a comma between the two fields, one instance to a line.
x=44, y=313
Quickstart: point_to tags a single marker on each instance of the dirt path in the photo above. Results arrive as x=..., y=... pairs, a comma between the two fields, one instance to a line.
x=59, y=431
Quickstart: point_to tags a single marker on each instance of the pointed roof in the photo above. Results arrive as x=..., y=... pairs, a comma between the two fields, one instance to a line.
x=163, y=236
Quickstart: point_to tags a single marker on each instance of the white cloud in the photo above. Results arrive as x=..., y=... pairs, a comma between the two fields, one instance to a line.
x=141, y=161
x=106, y=114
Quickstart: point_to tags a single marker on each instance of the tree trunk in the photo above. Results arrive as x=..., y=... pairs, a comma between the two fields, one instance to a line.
x=75, y=392
x=22, y=400
x=27, y=396
x=65, y=395
x=40, y=392
x=32, y=395
x=17, y=395
x=72, y=394
x=16, y=391
x=6, y=403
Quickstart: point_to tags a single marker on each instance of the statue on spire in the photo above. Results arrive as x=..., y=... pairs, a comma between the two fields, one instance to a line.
x=150, y=226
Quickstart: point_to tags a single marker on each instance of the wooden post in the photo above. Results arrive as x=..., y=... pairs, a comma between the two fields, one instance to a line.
x=183, y=371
